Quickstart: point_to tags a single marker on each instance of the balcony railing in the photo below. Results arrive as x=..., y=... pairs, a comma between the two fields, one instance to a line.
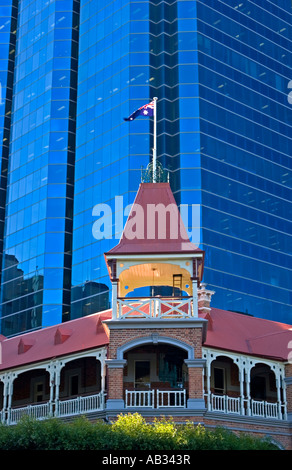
x=141, y=398
x=225, y=404
x=160, y=399
x=154, y=307
x=148, y=399
x=80, y=405
x=239, y=406
x=264, y=409
x=75, y=406
x=37, y=411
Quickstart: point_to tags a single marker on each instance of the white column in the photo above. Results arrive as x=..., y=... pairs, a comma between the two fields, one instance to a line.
x=58, y=368
x=114, y=299
x=241, y=382
x=10, y=389
x=11, y=378
x=284, y=396
x=102, y=358
x=247, y=381
x=279, y=399
x=208, y=377
x=195, y=297
x=51, y=370
x=4, y=379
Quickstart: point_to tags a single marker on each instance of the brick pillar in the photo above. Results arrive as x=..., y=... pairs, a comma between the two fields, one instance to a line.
x=115, y=384
x=115, y=377
x=196, y=399
x=195, y=382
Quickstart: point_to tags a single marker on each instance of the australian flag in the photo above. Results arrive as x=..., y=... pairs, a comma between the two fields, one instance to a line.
x=146, y=110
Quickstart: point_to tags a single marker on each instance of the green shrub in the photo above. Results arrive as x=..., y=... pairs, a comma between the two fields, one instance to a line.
x=128, y=432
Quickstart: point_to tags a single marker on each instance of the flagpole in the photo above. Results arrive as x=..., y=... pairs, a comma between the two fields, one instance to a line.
x=154, y=139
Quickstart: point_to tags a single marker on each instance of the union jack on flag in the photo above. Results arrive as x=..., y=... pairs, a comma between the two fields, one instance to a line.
x=146, y=110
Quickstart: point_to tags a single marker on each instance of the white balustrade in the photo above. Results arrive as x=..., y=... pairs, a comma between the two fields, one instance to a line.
x=154, y=307
x=79, y=405
x=171, y=399
x=39, y=411
x=233, y=405
x=164, y=399
x=217, y=402
x=139, y=398
x=264, y=409
x=225, y=404
x=75, y=406
x=258, y=408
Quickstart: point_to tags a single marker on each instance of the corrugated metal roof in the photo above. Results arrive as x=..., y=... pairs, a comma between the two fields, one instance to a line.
x=227, y=331
x=163, y=234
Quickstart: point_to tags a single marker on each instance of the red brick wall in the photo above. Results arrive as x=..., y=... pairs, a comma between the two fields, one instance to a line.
x=281, y=435
x=115, y=383
x=191, y=336
x=195, y=382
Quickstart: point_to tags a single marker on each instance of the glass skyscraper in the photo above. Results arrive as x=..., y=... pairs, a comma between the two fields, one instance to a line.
x=70, y=71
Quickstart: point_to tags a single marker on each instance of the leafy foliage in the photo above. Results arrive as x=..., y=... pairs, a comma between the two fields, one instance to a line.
x=128, y=432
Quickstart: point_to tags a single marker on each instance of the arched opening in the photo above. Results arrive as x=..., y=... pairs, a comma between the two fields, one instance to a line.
x=263, y=383
x=224, y=377
x=152, y=279
x=80, y=377
x=31, y=387
x=158, y=366
x=154, y=290
x=155, y=374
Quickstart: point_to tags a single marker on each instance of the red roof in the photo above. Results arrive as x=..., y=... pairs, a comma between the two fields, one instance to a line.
x=67, y=338
x=227, y=331
x=169, y=237
x=248, y=335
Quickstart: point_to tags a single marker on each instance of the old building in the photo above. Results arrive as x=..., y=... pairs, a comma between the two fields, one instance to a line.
x=171, y=354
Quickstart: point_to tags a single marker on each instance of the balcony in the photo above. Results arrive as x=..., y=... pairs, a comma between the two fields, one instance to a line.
x=154, y=307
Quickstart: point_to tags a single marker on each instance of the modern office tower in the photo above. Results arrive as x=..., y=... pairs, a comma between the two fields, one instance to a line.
x=36, y=267
x=220, y=71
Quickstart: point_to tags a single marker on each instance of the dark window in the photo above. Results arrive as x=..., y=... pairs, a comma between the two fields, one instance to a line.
x=258, y=388
x=142, y=374
x=74, y=385
x=218, y=380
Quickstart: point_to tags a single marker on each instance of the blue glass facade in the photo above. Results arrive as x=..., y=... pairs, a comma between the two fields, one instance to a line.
x=8, y=26
x=245, y=129
x=113, y=80
x=220, y=70
x=36, y=268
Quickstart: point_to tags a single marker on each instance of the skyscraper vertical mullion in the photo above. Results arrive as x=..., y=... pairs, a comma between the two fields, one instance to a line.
x=7, y=41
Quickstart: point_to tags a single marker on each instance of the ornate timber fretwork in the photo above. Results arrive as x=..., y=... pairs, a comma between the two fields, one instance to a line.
x=244, y=404
x=54, y=368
